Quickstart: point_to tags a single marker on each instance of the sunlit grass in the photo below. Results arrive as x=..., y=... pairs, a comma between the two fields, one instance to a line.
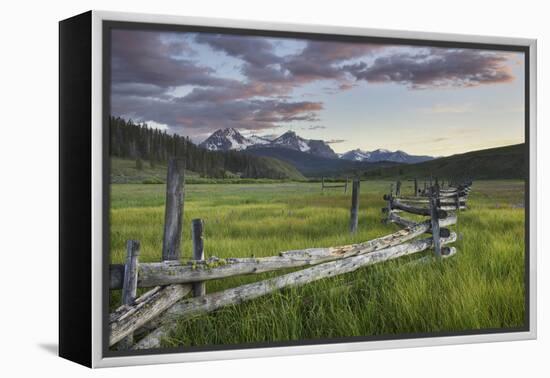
x=481, y=287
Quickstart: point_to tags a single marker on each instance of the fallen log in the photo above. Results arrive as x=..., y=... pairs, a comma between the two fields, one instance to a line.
x=174, y=272
x=128, y=318
x=211, y=302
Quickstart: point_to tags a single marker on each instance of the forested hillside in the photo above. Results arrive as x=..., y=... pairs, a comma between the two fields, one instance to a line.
x=152, y=146
x=509, y=162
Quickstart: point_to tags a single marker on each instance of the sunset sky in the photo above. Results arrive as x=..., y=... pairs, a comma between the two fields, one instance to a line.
x=422, y=100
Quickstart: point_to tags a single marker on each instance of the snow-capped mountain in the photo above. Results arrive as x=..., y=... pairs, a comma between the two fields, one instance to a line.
x=313, y=146
x=384, y=155
x=231, y=139
x=255, y=139
x=226, y=139
x=355, y=155
x=292, y=141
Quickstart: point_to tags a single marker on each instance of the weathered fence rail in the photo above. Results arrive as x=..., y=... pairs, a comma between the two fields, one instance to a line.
x=195, y=306
x=334, y=186
x=171, y=280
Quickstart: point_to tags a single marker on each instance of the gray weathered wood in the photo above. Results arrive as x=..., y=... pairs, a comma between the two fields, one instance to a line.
x=128, y=318
x=398, y=188
x=453, y=194
x=173, y=216
x=452, y=207
x=435, y=222
x=354, y=212
x=129, y=286
x=403, y=222
x=211, y=302
x=199, y=288
x=415, y=187
x=396, y=204
x=426, y=200
x=165, y=273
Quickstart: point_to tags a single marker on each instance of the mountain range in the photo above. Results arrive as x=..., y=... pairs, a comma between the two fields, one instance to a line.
x=231, y=139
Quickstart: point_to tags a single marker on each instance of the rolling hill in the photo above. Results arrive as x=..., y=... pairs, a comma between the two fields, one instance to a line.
x=507, y=162
x=315, y=166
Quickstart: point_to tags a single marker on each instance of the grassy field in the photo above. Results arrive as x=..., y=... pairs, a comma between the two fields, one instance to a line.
x=482, y=287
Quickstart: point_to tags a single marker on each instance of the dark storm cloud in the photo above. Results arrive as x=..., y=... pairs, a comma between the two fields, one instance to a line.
x=436, y=68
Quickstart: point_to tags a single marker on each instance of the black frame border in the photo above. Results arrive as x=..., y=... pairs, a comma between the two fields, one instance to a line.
x=109, y=25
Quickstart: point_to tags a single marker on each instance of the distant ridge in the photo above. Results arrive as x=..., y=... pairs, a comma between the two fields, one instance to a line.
x=384, y=155
x=316, y=166
x=507, y=162
x=231, y=139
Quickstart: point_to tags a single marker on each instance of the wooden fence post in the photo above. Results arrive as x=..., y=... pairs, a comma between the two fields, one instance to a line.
x=398, y=188
x=129, y=284
x=389, y=208
x=434, y=200
x=199, y=288
x=173, y=216
x=322, y=184
x=391, y=189
x=415, y=187
x=354, y=213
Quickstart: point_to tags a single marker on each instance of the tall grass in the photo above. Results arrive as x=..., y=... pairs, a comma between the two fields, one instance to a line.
x=481, y=287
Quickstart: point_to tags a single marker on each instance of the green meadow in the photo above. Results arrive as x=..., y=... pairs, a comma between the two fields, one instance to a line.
x=480, y=288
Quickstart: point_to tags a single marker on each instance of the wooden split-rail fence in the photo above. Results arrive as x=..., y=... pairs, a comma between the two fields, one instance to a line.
x=141, y=322
x=324, y=185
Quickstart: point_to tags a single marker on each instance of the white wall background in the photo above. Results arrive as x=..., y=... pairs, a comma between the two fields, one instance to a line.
x=28, y=160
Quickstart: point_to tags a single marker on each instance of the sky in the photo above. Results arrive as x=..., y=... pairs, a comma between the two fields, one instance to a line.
x=423, y=100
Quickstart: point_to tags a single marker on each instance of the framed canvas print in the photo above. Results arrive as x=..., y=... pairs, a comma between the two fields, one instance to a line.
x=233, y=189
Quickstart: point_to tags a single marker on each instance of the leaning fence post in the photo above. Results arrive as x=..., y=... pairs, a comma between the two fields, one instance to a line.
x=129, y=284
x=398, y=188
x=415, y=187
x=199, y=288
x=322, y=184
x=435, y=220
x=354, y=213
x=173, y=216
